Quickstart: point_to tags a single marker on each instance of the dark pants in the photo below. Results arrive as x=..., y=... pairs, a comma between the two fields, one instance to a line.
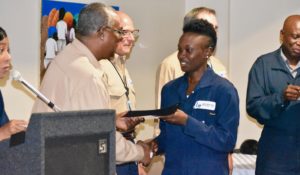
x=131, y=167
x=127, y=169
x=278, y=153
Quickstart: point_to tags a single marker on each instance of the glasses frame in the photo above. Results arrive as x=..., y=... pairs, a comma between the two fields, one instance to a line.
x=134, y=33
x=119, y=32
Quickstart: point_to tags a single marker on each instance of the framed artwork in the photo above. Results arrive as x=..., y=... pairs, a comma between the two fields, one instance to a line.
x=58, y=23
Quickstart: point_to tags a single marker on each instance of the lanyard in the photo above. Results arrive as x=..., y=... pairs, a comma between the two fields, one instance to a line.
x=124, y=82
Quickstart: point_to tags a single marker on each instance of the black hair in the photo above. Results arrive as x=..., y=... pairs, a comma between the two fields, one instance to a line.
x=249, y=146
x=2, y=34
x=202, y=27
x=62, y=12
x=54, y=36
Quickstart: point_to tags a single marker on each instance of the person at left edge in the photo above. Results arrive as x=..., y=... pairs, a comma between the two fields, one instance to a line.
x=7, y=127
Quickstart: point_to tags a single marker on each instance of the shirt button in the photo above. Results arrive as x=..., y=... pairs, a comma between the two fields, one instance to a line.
x=203, y=121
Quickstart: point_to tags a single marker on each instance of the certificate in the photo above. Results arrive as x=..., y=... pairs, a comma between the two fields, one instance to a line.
x=156, y=112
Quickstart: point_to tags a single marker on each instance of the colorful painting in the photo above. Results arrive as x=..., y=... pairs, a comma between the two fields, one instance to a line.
x=58, y=25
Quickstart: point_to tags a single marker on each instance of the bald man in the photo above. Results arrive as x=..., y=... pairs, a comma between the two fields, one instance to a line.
x=120, y=87
x=273, y=99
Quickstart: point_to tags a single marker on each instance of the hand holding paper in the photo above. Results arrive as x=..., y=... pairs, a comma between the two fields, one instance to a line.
x=178, y=118
x=125, y=124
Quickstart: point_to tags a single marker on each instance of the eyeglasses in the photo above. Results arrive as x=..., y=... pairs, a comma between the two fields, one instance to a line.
x=134, y=33
x=119, y=32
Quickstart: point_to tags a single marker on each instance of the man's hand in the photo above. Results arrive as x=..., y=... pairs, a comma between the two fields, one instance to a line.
x=178, y=118
x=147, y=152
x=291, y=93
x=125, y=124
x=153, y=145
x=12, y=127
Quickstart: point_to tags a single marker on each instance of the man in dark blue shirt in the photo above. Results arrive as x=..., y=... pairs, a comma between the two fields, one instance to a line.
x=273, y=99
x=197, y=138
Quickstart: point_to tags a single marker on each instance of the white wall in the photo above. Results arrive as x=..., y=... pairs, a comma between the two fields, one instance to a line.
x=21, y=19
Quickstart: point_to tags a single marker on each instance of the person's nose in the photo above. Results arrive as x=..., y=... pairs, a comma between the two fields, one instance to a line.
x=131, y=37
x=298, y=41
x=180, y=55
x=8, y=56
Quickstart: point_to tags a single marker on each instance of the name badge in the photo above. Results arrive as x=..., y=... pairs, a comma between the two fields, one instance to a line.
x=208, y=105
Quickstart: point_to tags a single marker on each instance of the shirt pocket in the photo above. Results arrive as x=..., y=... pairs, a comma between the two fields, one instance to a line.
x=116, y=91
x=205, y=116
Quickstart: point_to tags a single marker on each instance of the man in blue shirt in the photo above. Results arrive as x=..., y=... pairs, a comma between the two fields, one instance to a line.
x=197, y=138
x=273, y=99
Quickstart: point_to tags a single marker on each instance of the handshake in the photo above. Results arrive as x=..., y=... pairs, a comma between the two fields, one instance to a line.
x=150, y=148
x=127, y=124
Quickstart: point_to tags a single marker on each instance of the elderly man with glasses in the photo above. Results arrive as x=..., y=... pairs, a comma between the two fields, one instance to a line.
x=120, y=85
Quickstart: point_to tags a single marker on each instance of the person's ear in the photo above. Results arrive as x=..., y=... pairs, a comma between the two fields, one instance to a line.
x=281, y=36
x=209, y=51
x=100, y=33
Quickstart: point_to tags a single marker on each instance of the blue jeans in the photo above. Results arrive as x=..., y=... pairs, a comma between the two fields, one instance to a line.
x=278, y=153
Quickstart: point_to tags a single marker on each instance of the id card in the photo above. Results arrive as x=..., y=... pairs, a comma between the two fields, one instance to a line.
x=208, y=105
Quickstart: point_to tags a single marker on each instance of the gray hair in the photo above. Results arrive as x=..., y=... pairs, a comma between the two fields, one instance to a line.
x=93, y=17
x=191, y=15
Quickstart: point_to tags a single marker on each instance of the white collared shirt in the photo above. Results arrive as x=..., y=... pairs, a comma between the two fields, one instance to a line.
x=287, y=63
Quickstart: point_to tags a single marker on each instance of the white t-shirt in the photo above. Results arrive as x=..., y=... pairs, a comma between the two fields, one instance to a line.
x=51, y=48
x=72, y=34
x=62, y=29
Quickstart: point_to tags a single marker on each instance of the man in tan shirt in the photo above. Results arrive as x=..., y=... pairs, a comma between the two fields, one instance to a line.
x=75, y=80
x=120, y=86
